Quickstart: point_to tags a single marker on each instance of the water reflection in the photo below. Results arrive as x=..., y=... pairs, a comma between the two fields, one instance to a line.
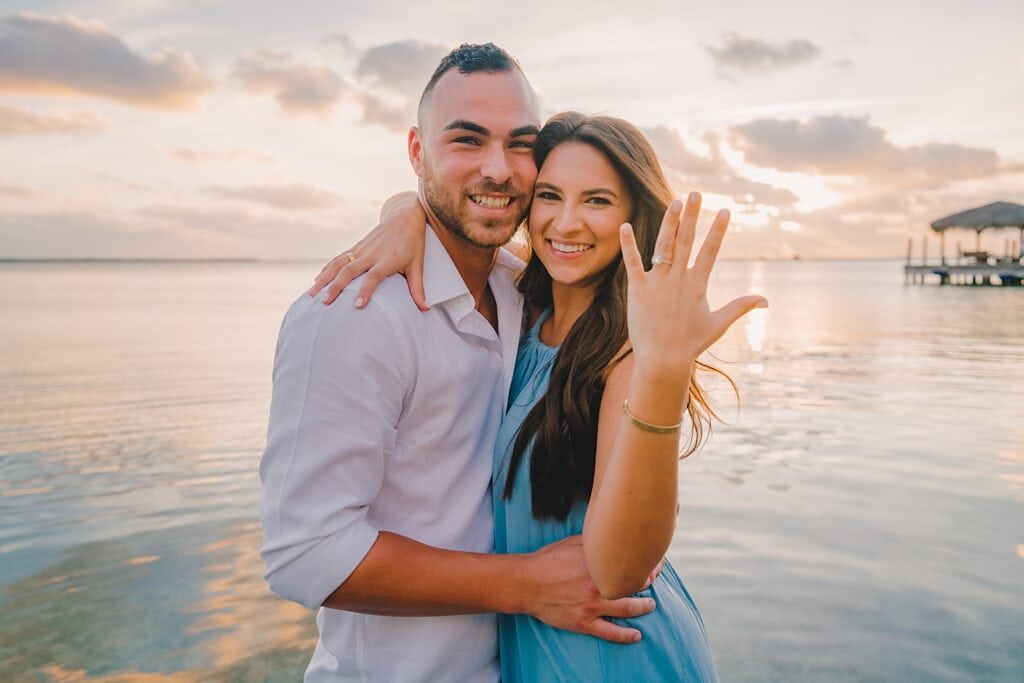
x=858, y=519
x=197, y=610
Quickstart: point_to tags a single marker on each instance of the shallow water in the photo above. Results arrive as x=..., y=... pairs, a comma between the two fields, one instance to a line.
x=860, y=519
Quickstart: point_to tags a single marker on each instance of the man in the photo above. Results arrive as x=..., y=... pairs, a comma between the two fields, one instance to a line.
x=376, y=502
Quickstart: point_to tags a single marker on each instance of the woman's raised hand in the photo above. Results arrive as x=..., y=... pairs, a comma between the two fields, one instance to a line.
x=394, y=246
x=670, y=322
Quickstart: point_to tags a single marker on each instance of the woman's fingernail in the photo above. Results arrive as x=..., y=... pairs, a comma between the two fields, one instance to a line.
x=761, y=304
x=636, y=637
x=359, y=302
x=676, y=206
x=694, y=197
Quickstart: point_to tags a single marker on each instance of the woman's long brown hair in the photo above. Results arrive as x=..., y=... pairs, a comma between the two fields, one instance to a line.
x=562, y=426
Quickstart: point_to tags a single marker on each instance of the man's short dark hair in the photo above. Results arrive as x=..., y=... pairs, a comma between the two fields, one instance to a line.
x=469, y=58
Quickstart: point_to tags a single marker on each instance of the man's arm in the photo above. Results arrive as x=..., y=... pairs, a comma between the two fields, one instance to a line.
x=339, y=381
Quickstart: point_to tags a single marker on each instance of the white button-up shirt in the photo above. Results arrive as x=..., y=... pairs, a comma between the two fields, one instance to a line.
x=384, y=419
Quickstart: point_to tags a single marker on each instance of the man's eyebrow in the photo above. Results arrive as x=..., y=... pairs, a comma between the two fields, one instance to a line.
x=462, y=124
x=524, y=130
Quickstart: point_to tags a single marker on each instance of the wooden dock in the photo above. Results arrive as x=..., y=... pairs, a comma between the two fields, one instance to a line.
x=976, y=267
x=975, y=274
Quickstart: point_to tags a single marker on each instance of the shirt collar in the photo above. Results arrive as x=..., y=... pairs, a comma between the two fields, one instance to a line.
x=441, y=279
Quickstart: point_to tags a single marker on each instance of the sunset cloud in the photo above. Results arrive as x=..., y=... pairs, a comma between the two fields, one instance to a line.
x=738, y=54
x=385, y=83
x=298, y=88
x=713, y=173
x=235, y=231
x=296, y=197
x=16, y=121
x=846, y=146
x=17, y=192
x=174, y=232
x=68, y=56
x=392, y=76
x=199, y=156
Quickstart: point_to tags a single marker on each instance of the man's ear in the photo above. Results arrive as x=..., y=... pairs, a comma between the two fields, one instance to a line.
x=416, y=150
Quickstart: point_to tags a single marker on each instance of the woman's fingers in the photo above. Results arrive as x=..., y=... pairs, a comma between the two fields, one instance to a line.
x=667, y=233
x=631, y=255
x=712, y=243
x=369, y=285
x=332, y=268
x=736, y=309
x=327, y=273
x=349, y=272
x=414, y=278
x=687, y=230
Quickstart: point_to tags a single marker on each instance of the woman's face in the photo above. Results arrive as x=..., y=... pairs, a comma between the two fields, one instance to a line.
x=579, y=202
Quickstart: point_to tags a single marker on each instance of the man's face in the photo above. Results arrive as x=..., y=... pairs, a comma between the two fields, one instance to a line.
x=474, y=154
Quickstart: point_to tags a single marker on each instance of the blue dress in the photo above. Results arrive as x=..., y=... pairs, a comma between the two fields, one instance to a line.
x=674, y=645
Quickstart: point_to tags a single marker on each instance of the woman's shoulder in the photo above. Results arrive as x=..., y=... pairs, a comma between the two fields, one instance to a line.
x=620, y=368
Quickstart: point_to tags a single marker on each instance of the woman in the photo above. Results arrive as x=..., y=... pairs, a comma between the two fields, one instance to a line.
x=590, y=442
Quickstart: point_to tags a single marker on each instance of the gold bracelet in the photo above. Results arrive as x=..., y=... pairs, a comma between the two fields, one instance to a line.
x=647, y=426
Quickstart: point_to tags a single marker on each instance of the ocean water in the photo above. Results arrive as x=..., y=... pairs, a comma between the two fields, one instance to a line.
x=860, y=518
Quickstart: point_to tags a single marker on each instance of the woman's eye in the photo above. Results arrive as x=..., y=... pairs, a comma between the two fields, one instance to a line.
x=551, y=196
x=599, y=200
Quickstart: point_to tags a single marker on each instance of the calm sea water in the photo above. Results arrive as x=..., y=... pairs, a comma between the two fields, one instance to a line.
x=861, y=518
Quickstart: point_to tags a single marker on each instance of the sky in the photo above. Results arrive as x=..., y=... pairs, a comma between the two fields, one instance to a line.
x=272, y=130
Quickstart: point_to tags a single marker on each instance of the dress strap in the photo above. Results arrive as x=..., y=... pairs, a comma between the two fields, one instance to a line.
x=535, y=330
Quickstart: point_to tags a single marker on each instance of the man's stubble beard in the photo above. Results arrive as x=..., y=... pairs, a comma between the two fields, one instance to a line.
x=449, y=211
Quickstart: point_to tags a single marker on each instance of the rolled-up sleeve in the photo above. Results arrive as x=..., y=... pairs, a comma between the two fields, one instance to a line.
x=339, y=386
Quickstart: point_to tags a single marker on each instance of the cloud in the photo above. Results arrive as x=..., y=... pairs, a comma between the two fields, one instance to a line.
x=392, y=77
x=176, y=232
x=68, y=56
x=713, y=173
x=298, y=196
x=200, y=156
x=16, y=191
x=79, y=234
x=844, y=67
x=740, y=54
x=847, y=146
x=16, y=121
x=223, y=231
x=101, y=174
x=403, y=66
x=385, y=82
x=298, y=88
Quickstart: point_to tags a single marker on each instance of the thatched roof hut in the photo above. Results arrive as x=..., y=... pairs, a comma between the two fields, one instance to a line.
x=994, y=215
